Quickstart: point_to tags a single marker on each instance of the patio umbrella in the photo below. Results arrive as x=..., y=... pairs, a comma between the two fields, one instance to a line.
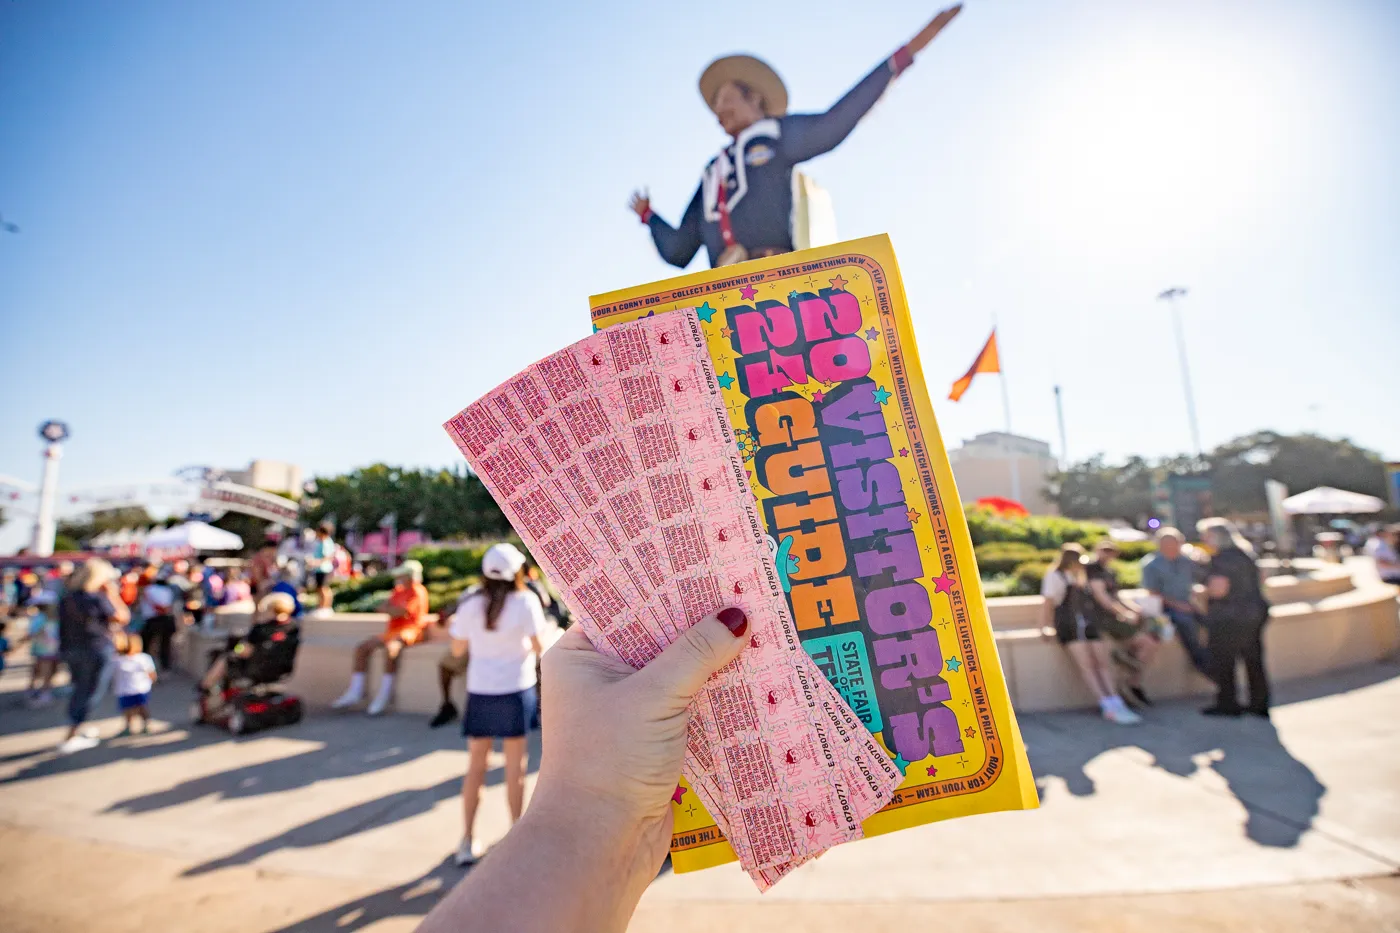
x=1002, y=506
x=194, y=536
x=1325, y=500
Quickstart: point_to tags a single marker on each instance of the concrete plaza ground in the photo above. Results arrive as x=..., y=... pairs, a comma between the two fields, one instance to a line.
x=344, y=823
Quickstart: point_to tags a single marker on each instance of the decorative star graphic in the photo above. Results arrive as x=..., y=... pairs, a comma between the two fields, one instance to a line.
x=900, y=763
x=837, y=282
x=904, y=451
x=954, y=664
x=871, y=333
x=690, y=809
x=726, y=380
x=677, y=794
x=725, y=332
x=793, y=294
x=705, y=312
x=943, y=583
x=969, y=732
x=748, y=292
x=818, y=396
x=932, y=771
x=962, y=761
x=882, y=395
x=914, y=515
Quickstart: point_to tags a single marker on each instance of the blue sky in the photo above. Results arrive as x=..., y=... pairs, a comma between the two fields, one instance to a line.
x=313, y=231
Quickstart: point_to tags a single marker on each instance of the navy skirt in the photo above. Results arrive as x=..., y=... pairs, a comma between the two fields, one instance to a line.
x=500, y=716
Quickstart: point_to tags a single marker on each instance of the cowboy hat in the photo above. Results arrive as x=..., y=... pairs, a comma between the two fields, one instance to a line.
x=748, y=70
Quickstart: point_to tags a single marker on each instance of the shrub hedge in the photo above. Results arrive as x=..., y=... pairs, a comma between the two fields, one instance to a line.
x=1027, y=576
x=1042, y=532
x=1001, y=557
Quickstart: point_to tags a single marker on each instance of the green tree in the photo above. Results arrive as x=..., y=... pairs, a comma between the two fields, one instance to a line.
x=1300, y=461
x=90, y=526
x=62, y=542
x=443, y=503
x=1238, y=468
x=1096, y=489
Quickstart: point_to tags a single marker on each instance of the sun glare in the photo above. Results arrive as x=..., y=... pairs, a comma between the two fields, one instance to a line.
x=1141, y=146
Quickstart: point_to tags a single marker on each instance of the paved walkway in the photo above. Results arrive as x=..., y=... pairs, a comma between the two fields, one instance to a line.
x=344, y=822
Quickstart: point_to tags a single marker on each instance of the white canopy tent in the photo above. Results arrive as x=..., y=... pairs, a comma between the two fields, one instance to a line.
x=1325, y=500
x=193, y=536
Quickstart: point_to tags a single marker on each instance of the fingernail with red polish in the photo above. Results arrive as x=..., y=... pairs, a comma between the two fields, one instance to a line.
x=734, y=620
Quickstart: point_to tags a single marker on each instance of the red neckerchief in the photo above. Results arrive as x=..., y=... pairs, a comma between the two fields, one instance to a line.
x=726, y=229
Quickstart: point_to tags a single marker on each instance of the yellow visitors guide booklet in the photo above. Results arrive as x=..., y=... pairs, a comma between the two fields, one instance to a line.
x=815, y=354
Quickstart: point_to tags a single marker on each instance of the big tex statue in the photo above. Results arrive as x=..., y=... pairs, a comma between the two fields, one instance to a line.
x=743, y=206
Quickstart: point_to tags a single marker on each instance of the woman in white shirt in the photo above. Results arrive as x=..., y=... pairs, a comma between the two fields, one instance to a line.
x=498, y=626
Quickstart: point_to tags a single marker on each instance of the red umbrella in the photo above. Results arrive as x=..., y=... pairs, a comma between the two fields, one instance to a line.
x=1006, y=508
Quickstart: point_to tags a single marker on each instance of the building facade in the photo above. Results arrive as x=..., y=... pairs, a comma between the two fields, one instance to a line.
x=269, y=475
x=983, y=467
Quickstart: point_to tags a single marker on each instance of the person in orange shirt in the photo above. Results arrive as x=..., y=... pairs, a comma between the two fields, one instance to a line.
x=407, y=607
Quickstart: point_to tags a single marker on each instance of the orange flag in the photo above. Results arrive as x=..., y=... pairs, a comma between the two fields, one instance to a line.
x=986, y=362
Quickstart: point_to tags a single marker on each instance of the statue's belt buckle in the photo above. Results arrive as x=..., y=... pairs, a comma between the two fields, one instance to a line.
x=732, y=254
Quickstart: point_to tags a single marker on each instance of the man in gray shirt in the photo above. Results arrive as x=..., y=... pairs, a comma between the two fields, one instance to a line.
x=1171, y=575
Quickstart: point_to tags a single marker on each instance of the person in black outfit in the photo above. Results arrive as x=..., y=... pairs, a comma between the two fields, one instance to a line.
x=87, y=612
x=266, y=653
x=1235, y=620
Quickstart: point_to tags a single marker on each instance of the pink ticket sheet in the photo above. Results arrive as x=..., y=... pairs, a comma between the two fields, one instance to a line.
x=613, y=459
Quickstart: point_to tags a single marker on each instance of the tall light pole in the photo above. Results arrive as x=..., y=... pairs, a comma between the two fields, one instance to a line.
x=1060, y=417
x=1170, y=296
x=54, y=434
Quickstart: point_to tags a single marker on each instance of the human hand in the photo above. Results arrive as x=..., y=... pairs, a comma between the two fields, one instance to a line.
x=614, y=737
x=935, y=26
x=640, y=204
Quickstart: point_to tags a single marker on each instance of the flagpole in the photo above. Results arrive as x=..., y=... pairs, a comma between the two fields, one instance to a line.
x=1064, y=444
x=1006, y=411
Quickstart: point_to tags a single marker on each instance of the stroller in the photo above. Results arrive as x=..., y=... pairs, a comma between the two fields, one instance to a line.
x=245, y=696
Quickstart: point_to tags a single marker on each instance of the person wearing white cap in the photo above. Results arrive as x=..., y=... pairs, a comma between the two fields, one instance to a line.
x=500, y=622
x=407, y=607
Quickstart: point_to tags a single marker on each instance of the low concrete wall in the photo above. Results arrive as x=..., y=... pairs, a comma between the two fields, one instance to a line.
x=1302, y=639
x=325, y=657
x=1320, y=622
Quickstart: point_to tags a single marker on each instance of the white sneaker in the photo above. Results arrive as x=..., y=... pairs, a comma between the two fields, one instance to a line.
x=347, y=699
x=78, y=743
x=1122, y=716
x=322, y=612
x=466, y=854
x=379, y=704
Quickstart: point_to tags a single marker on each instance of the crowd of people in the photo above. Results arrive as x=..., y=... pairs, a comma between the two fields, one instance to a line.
x=1208, y=597
x=116, y=630
x=1383, y=547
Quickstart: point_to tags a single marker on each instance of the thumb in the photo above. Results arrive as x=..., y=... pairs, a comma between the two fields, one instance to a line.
x=678, y=672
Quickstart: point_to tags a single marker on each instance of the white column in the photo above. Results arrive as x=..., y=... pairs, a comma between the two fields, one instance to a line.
x=44, y=525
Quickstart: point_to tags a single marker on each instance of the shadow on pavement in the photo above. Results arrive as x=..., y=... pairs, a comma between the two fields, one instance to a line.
x=413, y=899
x=1279, y=792
x=372, y=814
x=170, y=705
